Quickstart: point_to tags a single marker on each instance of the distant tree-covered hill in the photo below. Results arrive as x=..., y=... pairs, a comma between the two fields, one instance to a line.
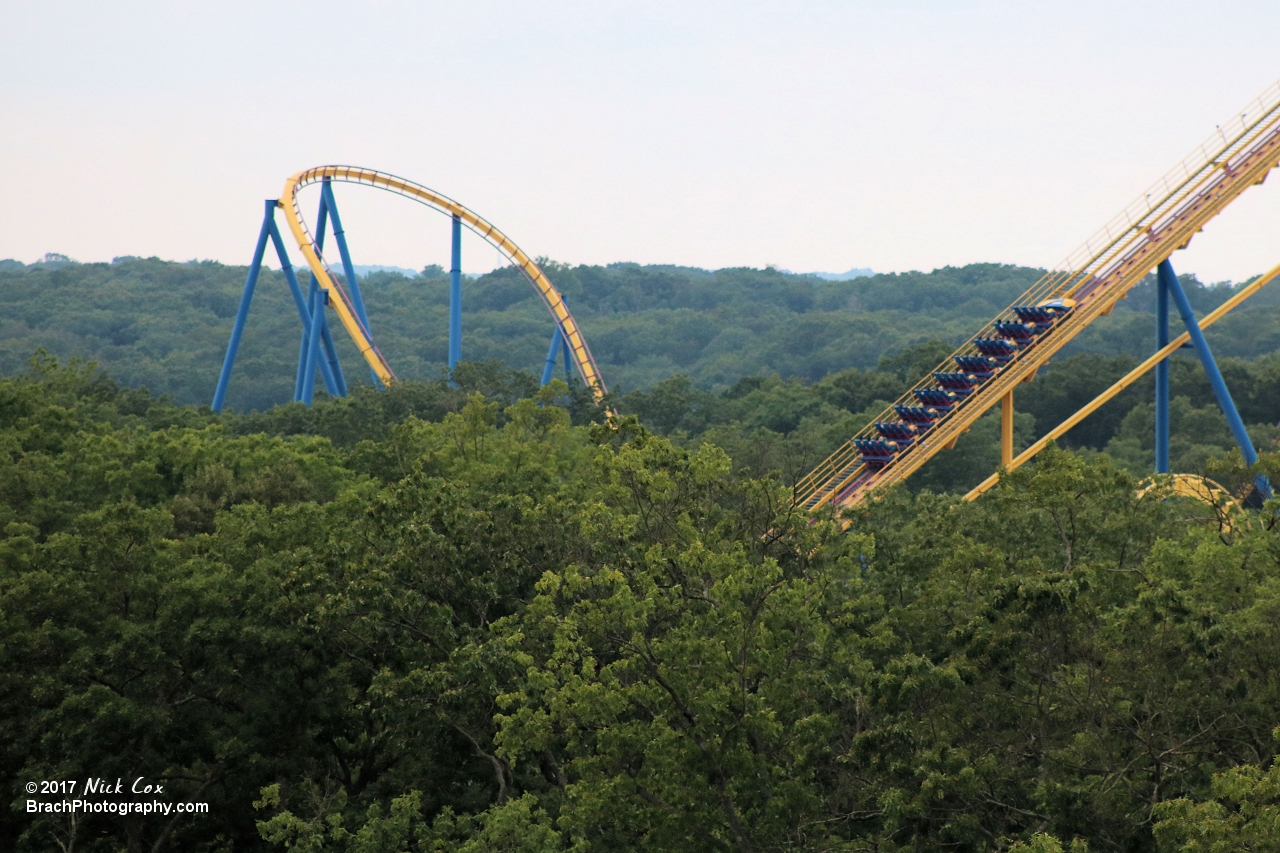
x=165, y=325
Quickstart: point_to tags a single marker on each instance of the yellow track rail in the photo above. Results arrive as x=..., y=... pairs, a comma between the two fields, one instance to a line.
x=1099, y=273
x=1198, y=488
x=1126, y=380
x=583, y=360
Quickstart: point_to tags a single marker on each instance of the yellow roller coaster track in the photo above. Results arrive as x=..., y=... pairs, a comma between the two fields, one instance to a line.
x=583, y=360
x=1162, y=220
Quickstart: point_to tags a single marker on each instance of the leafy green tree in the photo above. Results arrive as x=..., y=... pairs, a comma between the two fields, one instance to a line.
x=470, y=619
x=676, y=669
x=1242, y=815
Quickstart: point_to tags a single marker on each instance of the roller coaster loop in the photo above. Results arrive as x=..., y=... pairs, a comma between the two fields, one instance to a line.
x=1011, y=348
x=344, y=296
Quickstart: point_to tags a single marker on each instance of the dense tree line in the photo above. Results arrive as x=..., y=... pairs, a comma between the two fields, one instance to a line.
x=474, y=620
x=165, y=325
x=787, y=426
x=479, y=615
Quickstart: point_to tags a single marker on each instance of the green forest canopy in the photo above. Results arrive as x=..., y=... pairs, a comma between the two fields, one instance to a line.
x=475, y=618
x=165, y=325
x=472, y=625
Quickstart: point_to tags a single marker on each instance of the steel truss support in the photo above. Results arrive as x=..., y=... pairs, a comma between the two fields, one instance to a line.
x=329, y=367
x=1168, y=282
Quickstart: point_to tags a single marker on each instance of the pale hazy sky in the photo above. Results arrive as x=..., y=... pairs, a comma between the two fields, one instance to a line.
x=813, y=136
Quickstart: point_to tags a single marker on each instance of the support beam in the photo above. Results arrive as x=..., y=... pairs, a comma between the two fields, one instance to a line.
x=318, y=300
x=1006, y=429
x=557, y=343
x=550, y=367
x=304, y=360
x=1228, y=406
x=322, y=226
x=330, y=369
x=455, y=296
x=336, y=385
x=348, y=270
x=228, y=361
x=1127, y=380
x=334, y=382
x=1162, y=378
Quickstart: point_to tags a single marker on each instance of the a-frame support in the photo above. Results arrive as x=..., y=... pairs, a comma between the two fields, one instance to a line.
x=1168, y=287
x=316, y=350
x=330, y=370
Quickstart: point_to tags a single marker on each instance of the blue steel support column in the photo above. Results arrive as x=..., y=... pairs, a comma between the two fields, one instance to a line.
x=455, y=296
x=268, y=219
x=1170, y=281
x=348, y=269
x=334, y=381
x=1162, y=377
x=550, y=368
x=564, y=348
x=313, y=346
x=326, y=337
x=300, y=380
x=329, y=359
x=322, y=224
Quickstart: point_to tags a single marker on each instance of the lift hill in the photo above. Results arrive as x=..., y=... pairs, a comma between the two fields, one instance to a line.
x=1010, y=349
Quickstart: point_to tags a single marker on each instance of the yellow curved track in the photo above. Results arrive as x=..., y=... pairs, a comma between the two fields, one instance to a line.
x=1239, y=155
x=1193, y=486
x=583, y=360
x=1228, y=511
